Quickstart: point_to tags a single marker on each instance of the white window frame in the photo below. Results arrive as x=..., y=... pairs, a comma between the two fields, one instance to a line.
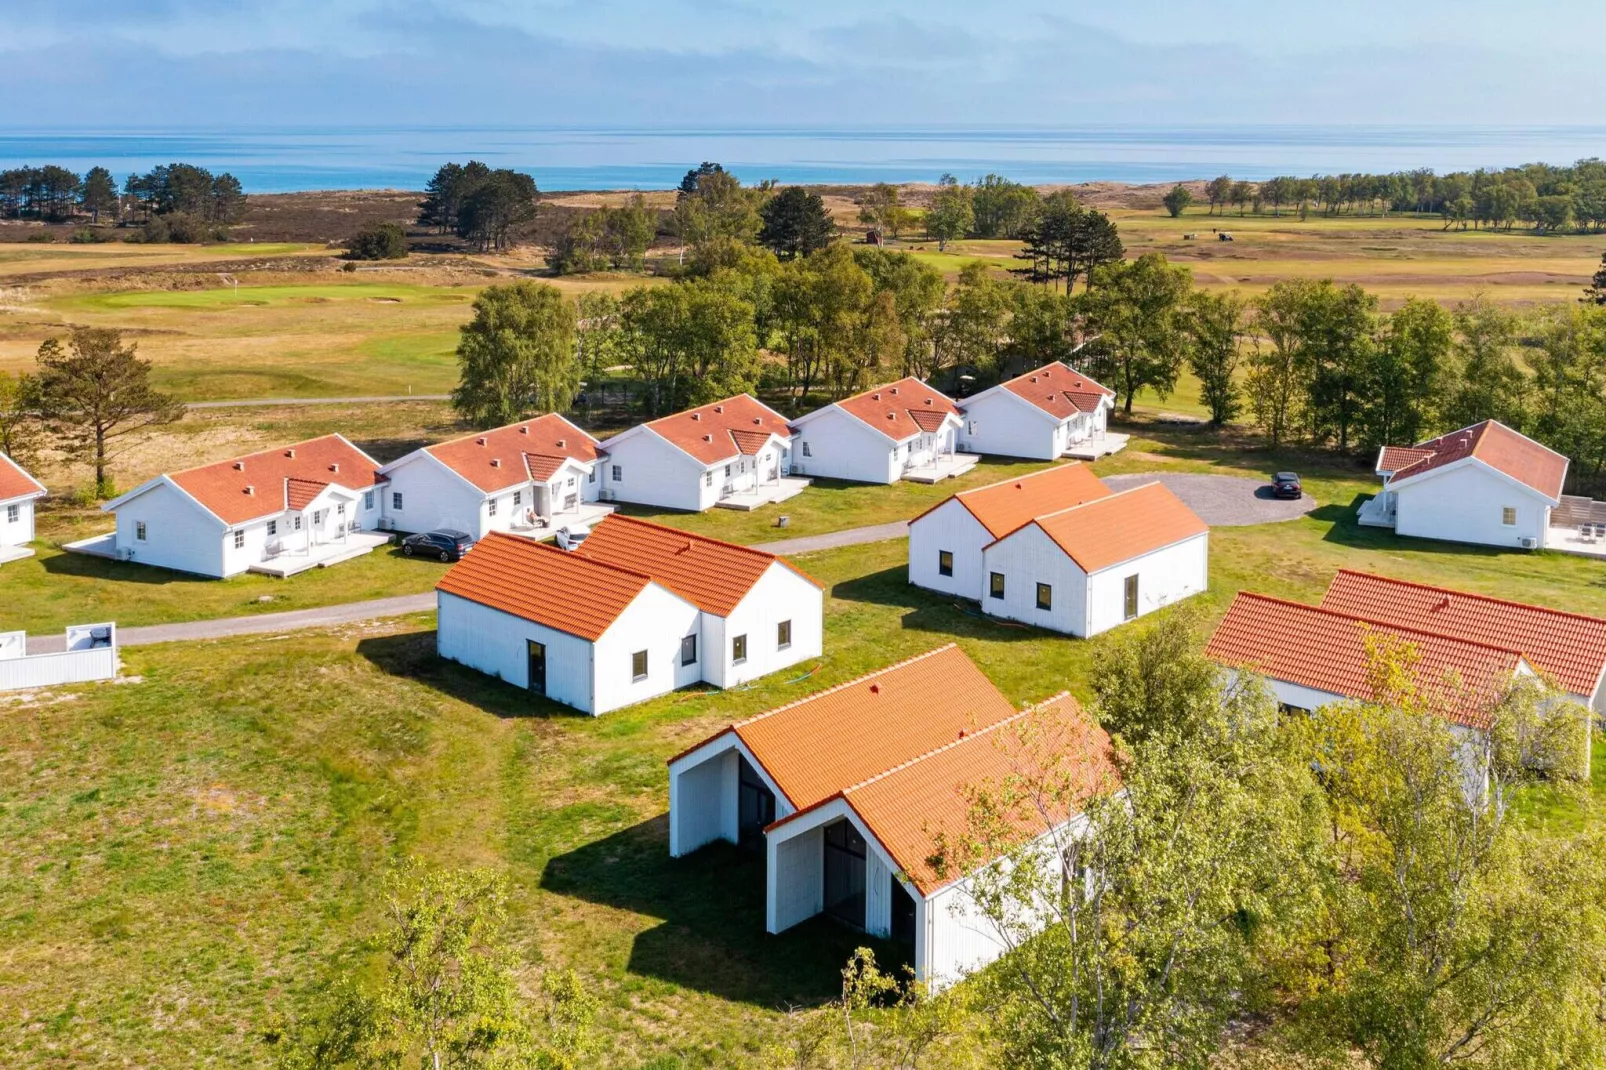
x=273, y=528
x=691, y=641
x=13, y=513
x=1508, y=516
x=239, y=538
x=368, y=499
x=739, y=643
x=618, y=474
x=139, y=530
x=396, y=499
x=490, y=508
x=783, y=635
x=637, y=677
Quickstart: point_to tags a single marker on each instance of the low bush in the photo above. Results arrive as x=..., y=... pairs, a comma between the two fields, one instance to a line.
x=378, y=241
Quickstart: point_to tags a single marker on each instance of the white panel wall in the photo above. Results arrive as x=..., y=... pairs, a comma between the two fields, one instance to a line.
x=433, y=496
x=840, y=446
x=1027, y=558
x=494, y=643
x=1165, y=576
x=1464, y=505
x=780, y=594
x=877, y=895
x=654, y=622
x=48, y=670
x=703, y=802
x=1001, y=423
x=948, y=527
x=179, y=533
x=656, y=473
x=796, y=877
x=20, y=531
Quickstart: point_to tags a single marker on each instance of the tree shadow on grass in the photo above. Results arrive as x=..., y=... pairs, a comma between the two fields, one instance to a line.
x=710, y=907
x=930, y=611
x=88, y=566
x=412, y=655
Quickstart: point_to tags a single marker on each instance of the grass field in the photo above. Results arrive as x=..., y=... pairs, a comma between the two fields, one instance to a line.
x=184, y=856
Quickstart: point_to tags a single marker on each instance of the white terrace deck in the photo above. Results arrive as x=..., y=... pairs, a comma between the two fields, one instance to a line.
x=767, y=494
x=322, y=555
x=944, y=467
x=1091, y=449
x=589, y=513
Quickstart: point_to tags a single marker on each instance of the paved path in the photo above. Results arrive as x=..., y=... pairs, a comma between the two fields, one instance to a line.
x=1222, y=501
x=296, y=620
x=260, y=402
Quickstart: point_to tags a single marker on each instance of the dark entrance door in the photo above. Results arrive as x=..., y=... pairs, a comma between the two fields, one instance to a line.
x=844, y=873
x=537, y=653
x=903, y=913
x=755, y=805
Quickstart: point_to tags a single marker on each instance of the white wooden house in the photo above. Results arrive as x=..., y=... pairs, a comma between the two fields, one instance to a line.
x=636, y=611
x=903, y=430
x=736, y=452
x=525, y=477
x=18, y=492
x=1482, y=484
x=848, y=791
x=278, y=511
x=1091, y=567
x=946, y=541
x=1044, y=414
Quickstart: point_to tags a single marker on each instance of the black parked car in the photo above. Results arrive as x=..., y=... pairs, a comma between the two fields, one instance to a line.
x=1286, y=485
x=444, y=543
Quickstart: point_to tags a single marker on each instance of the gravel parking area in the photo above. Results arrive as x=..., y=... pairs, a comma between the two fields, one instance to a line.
x=1222, y=501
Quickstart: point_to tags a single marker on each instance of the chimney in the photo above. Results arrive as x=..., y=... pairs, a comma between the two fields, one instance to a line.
x=480, y=441
x=719, y=408
x=496, y=462
x=892, y=416
x=876, y=396
x=1034, y=378
x=696, y=416
x=875, y=689
x=894, y=391
x=708, y=438
x=560, y=443
x=928, y=401
x=250, y=491
x=758, y=421
x=290, y=453
x=335, y=467
x=239, y=466
x=524, y=429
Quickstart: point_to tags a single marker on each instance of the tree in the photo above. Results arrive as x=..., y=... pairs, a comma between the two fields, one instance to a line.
x=1242, y=193
x=1139, y=947
x=795, y=223
x=918, y=290
x=446, y=994
x=1067, y=241
x=1177, y=201
x=95, y=392
x=1216, y=331
x=443, y=194
x=950, y=215
x=516, y=355
x=1279, y=376
x=1135, y=317
x=690, y=343
x=1337, y=323
x=1219, y=191
x=973, y=332
x=712, y=206
x=821, y=302
x=1002, y=208
x=1595, y=293
x=1485, y=382
x=19, y=418
x=493, y=206
x=99, y=193
x=378, y=241
x=883, y=208
x=1406, y=377
x=1040, y=328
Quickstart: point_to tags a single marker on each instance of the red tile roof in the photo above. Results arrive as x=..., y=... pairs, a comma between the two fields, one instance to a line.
x=16, y=483
x=819, y=745
x=1326, y=650
x=709, y=573
x=1058, y=390
x=1392, y=459
x=900, y=410
x=1567, y=646
x=255, y=485
x=908, y=809
x=724, y=429
x=541, y=583
x=1497, y=446
x=1004, y=506
x=508, y=456
x=1108, y=531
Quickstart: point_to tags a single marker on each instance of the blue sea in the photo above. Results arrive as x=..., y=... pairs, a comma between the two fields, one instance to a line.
x=291, y=159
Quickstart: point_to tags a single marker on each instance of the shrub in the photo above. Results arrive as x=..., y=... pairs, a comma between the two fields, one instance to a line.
x=90, y=236
x=348, y=266
x=41, y=236
x=378, y=241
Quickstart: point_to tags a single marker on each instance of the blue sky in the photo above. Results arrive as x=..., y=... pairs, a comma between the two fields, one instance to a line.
x=245, y=63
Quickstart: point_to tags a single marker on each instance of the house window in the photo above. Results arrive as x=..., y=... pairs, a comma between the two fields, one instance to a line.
x=996, y=585
x=708, y=479
x=571, y=482
x=13, y=513
x=945, y=562
x=591, y=476
x=296, y=519
x=239, y=539
x=491, y=508
x=396, y=499
x=1045, y=596
x=738, y=650
x=139, y=530
x=783, y=635
x=273, y=528
x=518, y=496
x=368, y=499
x=806, y=451
x=727, y=471
x=340, y=509
x=688, y=650
x=618, y=474
x=1508, y=516
x=638, y=666
x=1131, y=606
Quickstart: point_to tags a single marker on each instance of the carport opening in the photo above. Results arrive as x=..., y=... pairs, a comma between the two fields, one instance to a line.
x=903, y=913
x=844, y=873
x=756, y=806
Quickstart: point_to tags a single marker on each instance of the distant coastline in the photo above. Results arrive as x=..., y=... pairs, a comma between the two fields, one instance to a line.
x=295, y=160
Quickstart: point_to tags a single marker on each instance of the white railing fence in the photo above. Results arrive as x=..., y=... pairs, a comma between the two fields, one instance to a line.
x=90, y=654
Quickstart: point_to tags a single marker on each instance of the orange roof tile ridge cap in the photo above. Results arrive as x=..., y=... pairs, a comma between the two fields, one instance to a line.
x=960, y=494
x=677, y=532
x=1384, y=624
x=546, y=548
x=257, y=453
x=1465, y=594
x=1098, y=501
x=962, y=739
x=905, y=663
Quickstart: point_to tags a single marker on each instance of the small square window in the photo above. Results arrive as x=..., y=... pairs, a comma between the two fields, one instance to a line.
x=239, y=539
x=518, y=497
x=727, y=471
x=13, y=513
x=638, y=666
x=273, y=528
x=297, y=521
x=688, y=650
x=368, y=499
x=945, y=562
x=340, y=508
x=396, y=499
x=1508, y=516
x=739, y=650
x=491, y=509
x=1045, y=596
x=139, y=530
x=618, y=474
x=995, y=585
x=571, y=482
x=783, y=635
x=708, y=479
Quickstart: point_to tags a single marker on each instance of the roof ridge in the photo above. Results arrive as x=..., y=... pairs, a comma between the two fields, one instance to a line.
x=258, y=453
x=1097, y=501
x=963, y=738
x=637, y=521
x=505, y=427
x=542, y=547
x=906, y=662
x=960, y=494
x=1467, y=594
x=1390, y=625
